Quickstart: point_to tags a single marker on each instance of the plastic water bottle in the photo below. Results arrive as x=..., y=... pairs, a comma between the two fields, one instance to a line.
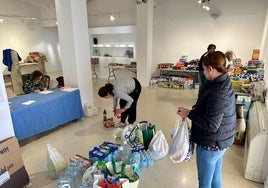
x=135, y=161
x=151, y=158
x=143, y=160
x=63, y=183
x=126, y=153
x=85, y=185
x=123, y=153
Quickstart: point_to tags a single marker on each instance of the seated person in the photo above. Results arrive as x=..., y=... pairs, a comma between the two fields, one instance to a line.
x=60, y=81
x=35, y=84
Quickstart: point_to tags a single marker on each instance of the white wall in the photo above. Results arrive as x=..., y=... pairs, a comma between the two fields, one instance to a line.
x=180, y=28
x=24, y=38
x=240, y=33
x=25, y=35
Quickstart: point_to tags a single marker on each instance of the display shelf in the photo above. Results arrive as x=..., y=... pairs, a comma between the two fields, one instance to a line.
x=113, y=51
x=116, y=58
x=112, y=46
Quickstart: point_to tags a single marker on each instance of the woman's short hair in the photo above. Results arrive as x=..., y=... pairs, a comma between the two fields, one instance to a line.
x=216, y=60
x=36, y=74
x=105, y=90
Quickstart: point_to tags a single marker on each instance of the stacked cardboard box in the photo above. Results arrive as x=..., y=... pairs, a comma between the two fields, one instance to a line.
x=12, y=171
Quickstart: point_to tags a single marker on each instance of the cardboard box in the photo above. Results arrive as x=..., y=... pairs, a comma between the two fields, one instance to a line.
x=86, y=162
x=255, y=54
x=12, y=171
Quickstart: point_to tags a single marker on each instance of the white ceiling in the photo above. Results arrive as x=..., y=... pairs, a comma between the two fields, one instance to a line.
x=125, y=10
x=41, y=3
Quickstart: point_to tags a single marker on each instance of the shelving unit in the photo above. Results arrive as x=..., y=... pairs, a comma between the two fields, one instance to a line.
x=113, y=50
x=112, y=46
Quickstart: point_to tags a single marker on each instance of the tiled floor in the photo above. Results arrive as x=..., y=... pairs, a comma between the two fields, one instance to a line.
x=157, y=105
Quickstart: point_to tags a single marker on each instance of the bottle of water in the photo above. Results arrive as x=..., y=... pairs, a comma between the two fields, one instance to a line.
x=135, y=161
x=85, y=185
x=150, y=158
x=63, y=183
x=126, y=153
x=118, y=154
x=143, y=160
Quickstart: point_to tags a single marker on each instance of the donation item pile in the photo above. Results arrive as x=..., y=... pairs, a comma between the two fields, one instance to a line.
x=110, y=164
x=248, y=79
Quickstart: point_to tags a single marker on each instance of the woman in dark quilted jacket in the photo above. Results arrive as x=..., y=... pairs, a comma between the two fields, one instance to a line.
x=213, y=121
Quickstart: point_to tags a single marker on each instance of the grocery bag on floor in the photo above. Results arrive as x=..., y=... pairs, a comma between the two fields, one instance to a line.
x=179, y=146
x=55, y=162
x=124, y=171
x=145, y=132
x=159, y=145
x=103, y=181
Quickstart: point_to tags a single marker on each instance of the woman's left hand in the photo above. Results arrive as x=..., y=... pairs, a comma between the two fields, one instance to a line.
x=120, y=111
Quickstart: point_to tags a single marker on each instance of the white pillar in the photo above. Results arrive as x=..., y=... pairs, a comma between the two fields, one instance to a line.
x=6, y=127
x=74, y=46
x=144, y=38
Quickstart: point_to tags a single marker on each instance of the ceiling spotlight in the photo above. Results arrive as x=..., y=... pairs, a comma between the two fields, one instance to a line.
x=206, y=7
x=112, y=18
x=1, y=20
x=140, y=1
x=204, y=4
x=210, y=8
x=203, y=1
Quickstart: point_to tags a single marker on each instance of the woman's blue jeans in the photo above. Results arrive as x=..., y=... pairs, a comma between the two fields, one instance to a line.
x=209, y=167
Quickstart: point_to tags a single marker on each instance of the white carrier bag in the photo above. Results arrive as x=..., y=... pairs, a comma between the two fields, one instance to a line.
x=180, y=145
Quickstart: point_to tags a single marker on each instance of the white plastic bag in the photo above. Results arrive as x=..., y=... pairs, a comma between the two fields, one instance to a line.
x=55, y=162
x=159, y=145
x=179, y=146
x=90, y=110
x=128, y=134
x=88, y=176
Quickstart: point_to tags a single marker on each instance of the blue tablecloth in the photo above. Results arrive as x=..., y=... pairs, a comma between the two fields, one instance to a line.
x=47, y=112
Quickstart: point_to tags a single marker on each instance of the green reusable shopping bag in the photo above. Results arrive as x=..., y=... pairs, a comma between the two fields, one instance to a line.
x=145, y=132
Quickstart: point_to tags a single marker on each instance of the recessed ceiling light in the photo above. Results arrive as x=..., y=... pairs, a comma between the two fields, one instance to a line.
x=112, y=18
